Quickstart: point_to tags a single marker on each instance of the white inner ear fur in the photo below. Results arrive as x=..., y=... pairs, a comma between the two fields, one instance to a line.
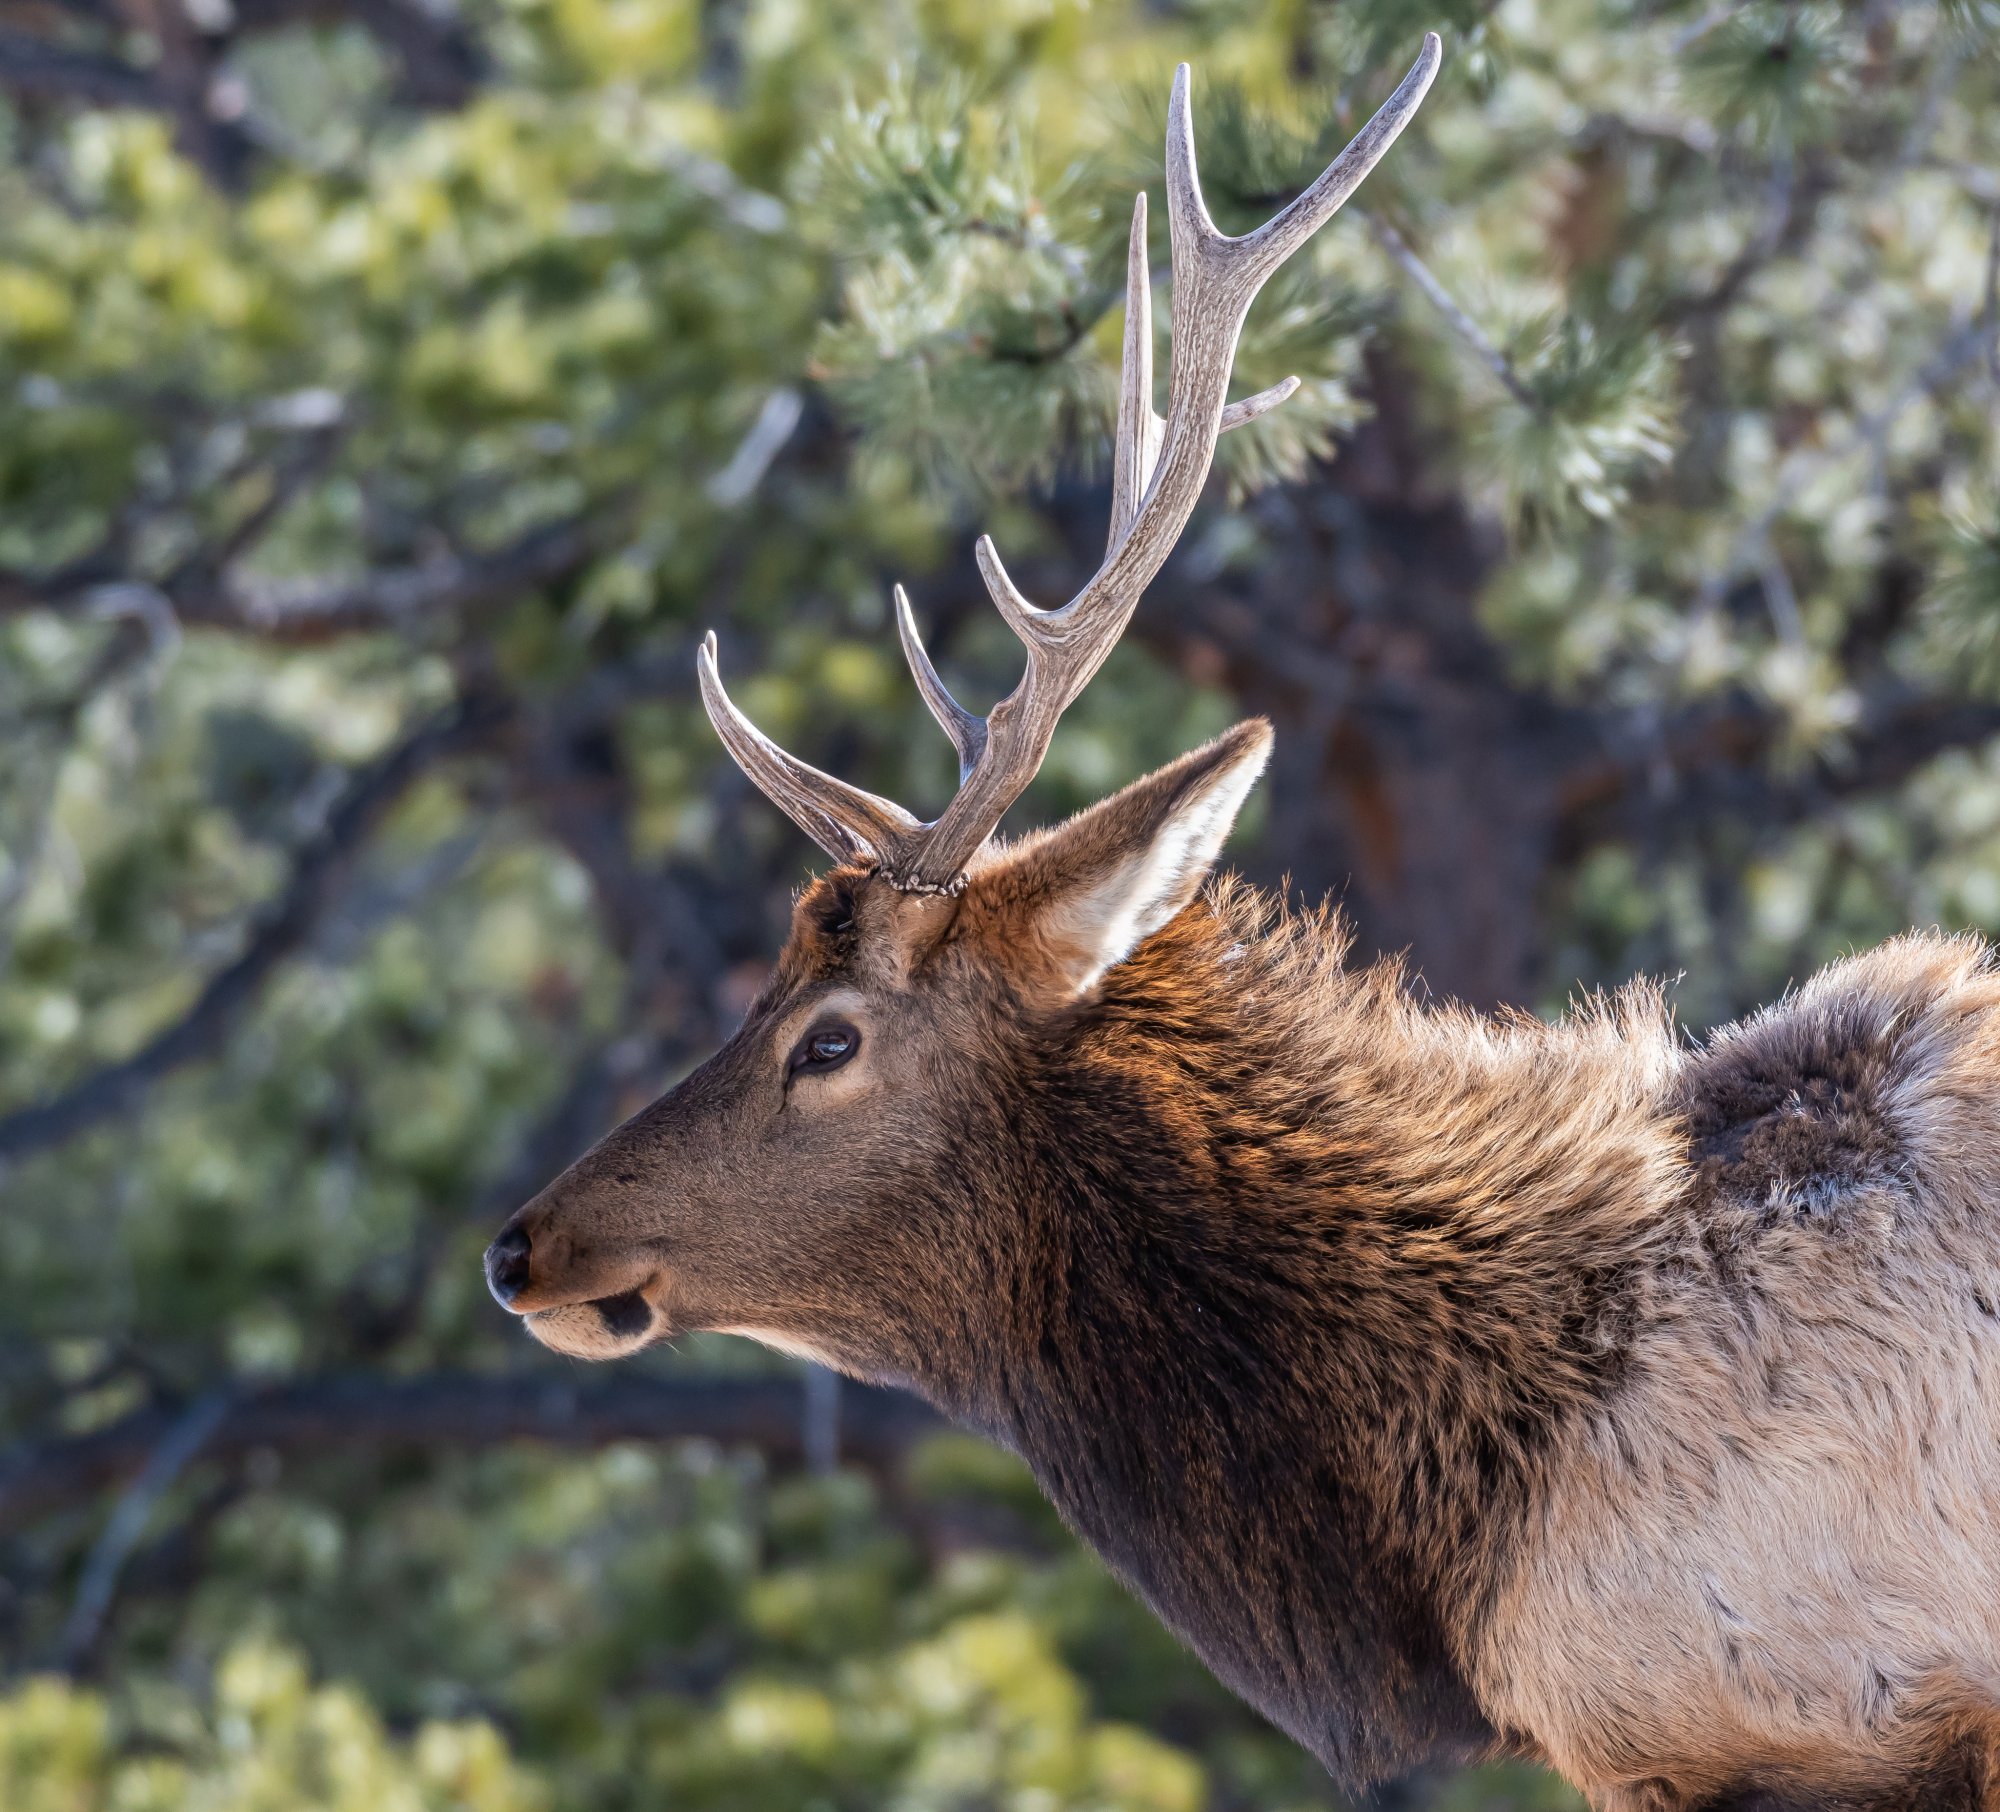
x=1103, y=916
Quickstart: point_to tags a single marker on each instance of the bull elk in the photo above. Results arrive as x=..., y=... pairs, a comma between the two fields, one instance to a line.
x=1456, y=1387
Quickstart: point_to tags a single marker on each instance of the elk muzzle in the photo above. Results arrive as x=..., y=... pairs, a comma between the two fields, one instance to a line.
x=568, y=1303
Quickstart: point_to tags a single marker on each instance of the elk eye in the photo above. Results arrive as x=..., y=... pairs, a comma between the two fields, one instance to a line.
x=825, y=1048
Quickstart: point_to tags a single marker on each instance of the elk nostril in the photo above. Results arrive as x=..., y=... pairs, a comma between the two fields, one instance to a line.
x=507, y=1266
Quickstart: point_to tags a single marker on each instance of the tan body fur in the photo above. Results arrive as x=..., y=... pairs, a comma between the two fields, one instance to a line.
x=1781, y=1536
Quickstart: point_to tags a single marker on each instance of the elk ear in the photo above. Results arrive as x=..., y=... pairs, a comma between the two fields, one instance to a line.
x=1067, y=904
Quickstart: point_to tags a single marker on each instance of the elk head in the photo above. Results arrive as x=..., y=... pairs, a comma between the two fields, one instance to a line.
x=824, y=1182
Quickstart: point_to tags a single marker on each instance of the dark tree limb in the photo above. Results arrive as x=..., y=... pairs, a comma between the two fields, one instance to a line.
x=296, y=468
x=320, y=610
x=206, y=593
x=440, y=63
x=318, y=876
x=183, y=1440
x=322, y=1416
x=1715, y=762
x=32, y=66
x=322, y=869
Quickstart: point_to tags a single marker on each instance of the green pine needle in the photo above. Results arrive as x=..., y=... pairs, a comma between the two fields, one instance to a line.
x=1962, y=601
x=1601, y=418
x=1777, y=72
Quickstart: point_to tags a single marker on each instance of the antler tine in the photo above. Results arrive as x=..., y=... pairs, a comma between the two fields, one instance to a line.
x=849, y=824
x=1140, y=426
x=967, y=732
x=1137, y=442
x=1278, y=238
x=1251, y=259
x=1234, y=415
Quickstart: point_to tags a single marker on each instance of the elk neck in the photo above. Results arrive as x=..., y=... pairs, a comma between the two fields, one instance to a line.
x=1298, y=1279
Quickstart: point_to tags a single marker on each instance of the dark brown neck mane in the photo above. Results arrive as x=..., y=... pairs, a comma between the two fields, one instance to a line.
x=1302, y=1281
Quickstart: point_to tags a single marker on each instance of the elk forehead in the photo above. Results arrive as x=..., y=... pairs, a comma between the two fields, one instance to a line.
x=852, y=927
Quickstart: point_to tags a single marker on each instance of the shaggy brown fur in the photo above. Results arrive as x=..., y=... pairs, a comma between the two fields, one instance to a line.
x=1454, y=1386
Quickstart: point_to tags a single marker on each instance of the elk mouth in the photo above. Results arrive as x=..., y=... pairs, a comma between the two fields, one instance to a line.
x=626, y=1315
x=606, y=1327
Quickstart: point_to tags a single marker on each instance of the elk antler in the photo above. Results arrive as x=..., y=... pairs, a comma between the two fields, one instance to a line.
x=1160, y=467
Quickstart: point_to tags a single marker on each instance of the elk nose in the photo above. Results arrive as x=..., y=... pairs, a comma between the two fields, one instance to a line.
x=507, y=1266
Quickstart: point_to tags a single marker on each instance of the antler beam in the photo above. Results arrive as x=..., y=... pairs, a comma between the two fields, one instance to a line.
x=1161, y=464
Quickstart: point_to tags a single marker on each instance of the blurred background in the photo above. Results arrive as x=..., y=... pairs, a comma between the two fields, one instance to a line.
x=390, y=392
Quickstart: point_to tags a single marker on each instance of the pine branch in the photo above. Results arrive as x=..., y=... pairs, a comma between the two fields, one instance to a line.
x=1442, y=300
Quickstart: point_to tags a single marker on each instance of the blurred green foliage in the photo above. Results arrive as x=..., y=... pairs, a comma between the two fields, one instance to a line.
x=268, y=1742
x=727, y=314
x=791, y=1642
